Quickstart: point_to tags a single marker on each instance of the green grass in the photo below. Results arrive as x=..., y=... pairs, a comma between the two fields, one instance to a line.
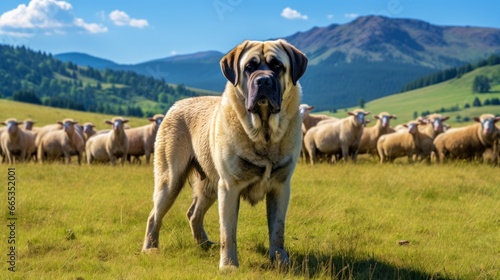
x=443, y=95
x=344, y=222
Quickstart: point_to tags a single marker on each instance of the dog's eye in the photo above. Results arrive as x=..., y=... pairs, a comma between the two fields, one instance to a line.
x=276, y=65
x=251, y=66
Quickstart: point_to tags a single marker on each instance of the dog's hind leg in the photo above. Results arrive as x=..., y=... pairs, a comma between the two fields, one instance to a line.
x=203, y=199
x=168, y=184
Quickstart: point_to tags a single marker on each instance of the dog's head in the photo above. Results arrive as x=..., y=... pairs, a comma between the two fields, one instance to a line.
x=263, y=72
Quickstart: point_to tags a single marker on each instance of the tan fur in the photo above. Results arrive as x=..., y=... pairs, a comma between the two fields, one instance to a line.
x=469, y=142
x=399, y=144
x=88, y=129
x=370, y=135
x=61, y=143
x=14, y=143
x=141, y=139
x=233, y=151
x=431, y=126
x=108, y=146
x=340, y=137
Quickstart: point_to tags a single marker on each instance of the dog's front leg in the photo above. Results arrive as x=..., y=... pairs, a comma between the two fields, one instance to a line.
x=229, y=204
x=276, y=206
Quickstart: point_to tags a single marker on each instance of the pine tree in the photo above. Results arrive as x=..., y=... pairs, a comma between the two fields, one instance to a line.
x=476, y=102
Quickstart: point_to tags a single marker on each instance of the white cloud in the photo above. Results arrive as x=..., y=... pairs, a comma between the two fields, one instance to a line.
x=351, y=15
x=121, y=18
x=330, y=16
x=290, y=13
x=44, y=17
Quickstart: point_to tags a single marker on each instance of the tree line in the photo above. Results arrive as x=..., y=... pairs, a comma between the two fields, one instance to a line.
x=36, y=77
x=452, y=73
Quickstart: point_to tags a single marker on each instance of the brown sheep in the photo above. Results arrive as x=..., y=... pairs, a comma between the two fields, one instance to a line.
x=14, y=142
x=141, y=139
x=433, y=125
x=399, y=144
x=61, y=143
x=468, y=142
x=370, y=136
x=88, y=130
x=341, y=137
x=107, y=147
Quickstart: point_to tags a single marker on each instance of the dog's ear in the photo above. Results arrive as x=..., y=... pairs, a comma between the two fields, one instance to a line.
x=298, y=61
x=229, y=63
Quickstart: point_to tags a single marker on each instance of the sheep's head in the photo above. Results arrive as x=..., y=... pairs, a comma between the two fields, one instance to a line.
x=437, y=122
x=158, y=118
x=487, y=123
x=412, y=127
x=28, y=124
x=385, y=118
x=68, y=124
x=88, y=127
x=12, y=125
x=304, y=110
x=359, y=116
x=117, y=123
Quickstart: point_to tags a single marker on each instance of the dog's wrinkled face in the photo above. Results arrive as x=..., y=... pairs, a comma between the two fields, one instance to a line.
x=262, y=71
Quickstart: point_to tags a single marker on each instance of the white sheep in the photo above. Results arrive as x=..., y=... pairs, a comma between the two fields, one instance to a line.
x=370, y=136
x=61, y=143
x=44, y=130
x=141, y=139
x=468, y=142
x=341, y=137
x=400, y=143
x=107, y=147
x=14, y=141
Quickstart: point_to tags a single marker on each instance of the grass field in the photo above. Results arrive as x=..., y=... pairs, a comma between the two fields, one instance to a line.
x=44, y=115
x=344, y=222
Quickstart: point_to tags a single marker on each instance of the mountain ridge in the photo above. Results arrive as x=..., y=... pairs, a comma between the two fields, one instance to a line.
x=369, y=57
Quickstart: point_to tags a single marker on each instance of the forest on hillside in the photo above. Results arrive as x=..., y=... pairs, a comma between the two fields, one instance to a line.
x=450, y=73
x=36, y=77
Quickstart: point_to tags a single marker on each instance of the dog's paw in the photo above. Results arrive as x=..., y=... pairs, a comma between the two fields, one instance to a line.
x=228, y=268
x=151, y=251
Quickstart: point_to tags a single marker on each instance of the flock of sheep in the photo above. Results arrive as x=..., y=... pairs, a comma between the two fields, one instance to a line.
x=324, y=137
x=66, y=138
x=329, y=138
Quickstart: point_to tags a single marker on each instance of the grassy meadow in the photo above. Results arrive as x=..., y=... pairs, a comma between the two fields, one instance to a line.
x=455, y=92
x=44, y=115
x=344, y=222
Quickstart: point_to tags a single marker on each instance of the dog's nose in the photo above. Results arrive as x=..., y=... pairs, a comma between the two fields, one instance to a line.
x=264, y=81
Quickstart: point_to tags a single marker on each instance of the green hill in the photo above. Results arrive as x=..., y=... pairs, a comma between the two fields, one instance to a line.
x=44, y=115
x=450, y=95
x=38, y=78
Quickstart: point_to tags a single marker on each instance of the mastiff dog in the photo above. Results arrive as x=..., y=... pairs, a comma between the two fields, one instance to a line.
x=243, y=144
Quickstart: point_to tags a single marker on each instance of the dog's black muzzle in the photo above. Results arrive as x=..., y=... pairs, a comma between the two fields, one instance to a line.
x=264, y=91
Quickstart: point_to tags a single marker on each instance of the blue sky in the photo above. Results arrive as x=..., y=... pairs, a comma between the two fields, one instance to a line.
x=137, y=31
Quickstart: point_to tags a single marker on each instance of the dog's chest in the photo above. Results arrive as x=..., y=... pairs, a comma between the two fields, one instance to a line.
x=261, y=175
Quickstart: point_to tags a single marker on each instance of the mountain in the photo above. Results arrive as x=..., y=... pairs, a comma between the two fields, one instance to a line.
x=368, y=58
x=83, y=59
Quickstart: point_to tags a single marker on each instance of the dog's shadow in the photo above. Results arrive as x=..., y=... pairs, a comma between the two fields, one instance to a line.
x=343, y=266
